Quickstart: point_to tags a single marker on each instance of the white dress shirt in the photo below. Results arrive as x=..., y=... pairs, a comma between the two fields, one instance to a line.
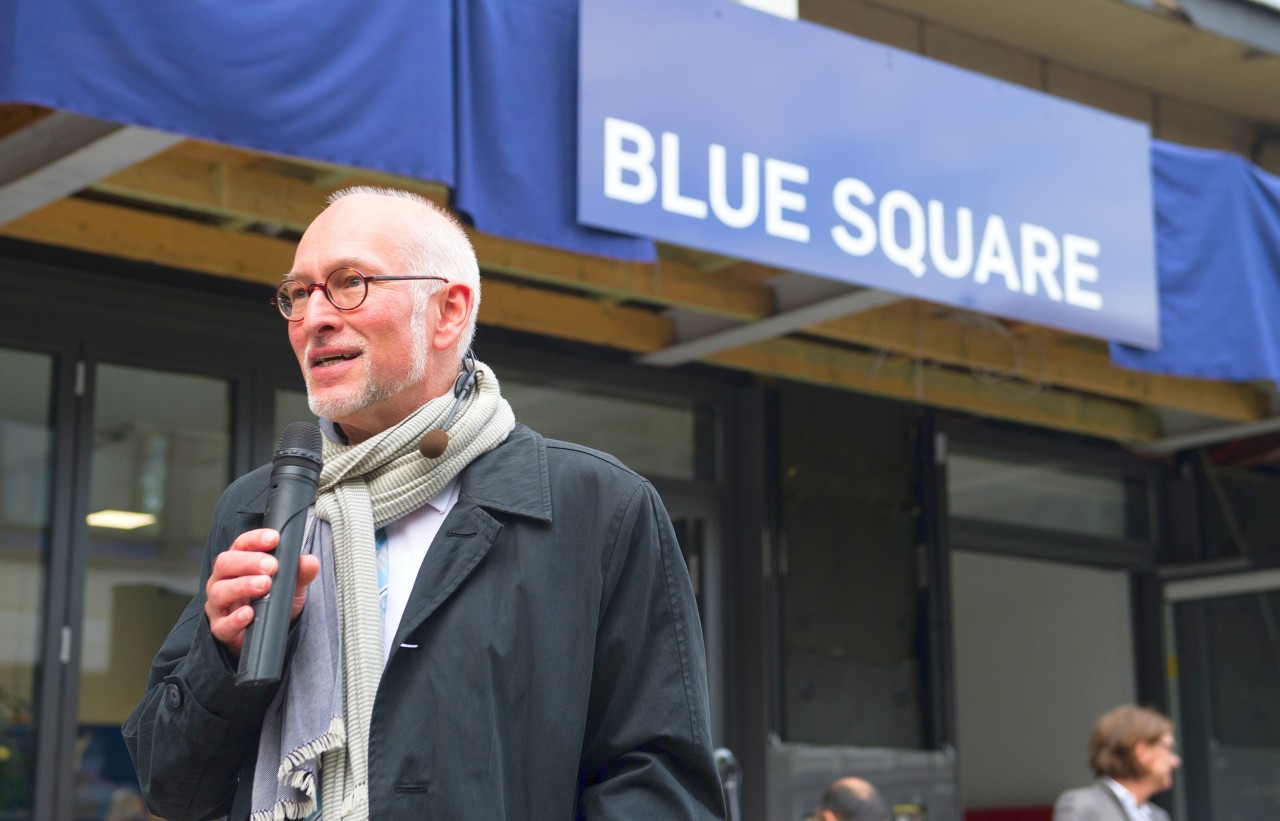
x=407, y=541
x=1131, y=806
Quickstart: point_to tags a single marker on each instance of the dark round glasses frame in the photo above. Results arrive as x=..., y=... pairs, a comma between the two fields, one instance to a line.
x=292, y=291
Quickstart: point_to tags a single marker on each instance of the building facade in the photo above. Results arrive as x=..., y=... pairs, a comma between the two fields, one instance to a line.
x=930, y=545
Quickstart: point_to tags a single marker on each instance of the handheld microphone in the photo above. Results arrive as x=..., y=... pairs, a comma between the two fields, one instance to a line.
x=295, y=472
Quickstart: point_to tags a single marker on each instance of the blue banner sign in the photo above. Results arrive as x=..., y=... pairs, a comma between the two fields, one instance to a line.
x=707, y=124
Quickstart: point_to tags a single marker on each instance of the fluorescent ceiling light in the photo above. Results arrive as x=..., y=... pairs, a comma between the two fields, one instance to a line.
x=120, y=519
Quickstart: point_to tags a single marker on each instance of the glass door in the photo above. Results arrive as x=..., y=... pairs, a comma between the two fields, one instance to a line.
x=26, y=469
x=158, y=456
x=1224, y=677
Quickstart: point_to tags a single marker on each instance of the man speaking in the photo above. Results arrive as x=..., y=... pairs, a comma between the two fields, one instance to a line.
x=485, y=624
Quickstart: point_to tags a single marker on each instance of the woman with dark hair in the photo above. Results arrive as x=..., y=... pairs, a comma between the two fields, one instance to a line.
x=1133, y=753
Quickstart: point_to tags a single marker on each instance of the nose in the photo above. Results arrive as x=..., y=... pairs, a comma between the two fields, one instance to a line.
x=320, y=316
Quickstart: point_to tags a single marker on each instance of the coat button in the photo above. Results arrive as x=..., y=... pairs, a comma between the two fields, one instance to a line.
x=172, y=696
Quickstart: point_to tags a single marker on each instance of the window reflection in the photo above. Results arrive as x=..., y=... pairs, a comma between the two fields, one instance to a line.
x=651, y=439
x=291, y=406
x=1044, y=496
x=25, y=457
x=160, y=459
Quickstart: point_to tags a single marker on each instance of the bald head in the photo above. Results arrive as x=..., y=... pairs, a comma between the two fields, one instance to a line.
x=425, y=238
x=369, y=365
x=852, y=799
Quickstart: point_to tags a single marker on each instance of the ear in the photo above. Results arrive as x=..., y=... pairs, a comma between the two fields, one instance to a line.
x=455, y=301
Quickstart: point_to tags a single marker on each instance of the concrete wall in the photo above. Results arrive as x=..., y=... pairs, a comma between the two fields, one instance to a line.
x=1042, y=649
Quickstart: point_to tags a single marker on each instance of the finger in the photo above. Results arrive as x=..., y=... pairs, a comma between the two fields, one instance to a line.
x=233, y=563
x=227, y=594
x=308, y=570
x=264, y=538
x=229, y=630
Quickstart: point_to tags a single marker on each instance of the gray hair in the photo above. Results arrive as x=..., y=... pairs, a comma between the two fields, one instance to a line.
x=437, y=246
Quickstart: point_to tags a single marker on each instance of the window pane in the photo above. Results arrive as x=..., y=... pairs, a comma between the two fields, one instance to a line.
x=853, y=640
x=160, y=460
x=1229, y=652
x=1044, y=496
x=25, y=473
x=651, y=439
x=291, y=406
x=1242, y=513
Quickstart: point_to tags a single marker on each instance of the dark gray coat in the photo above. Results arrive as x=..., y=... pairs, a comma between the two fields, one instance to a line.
x=559, y=670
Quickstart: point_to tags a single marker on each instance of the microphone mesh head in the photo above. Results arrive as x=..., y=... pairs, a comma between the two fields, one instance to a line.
x=300, y=446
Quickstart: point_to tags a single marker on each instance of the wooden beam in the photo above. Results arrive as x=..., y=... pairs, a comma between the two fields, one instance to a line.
x=669, y=284
x=130, y=234
x=16, y=116
x=57, y=155
x=228, y=190
x=163, y=240
x=192, y=177
x=535, y=310
x=917, y=381
x=1036, y=356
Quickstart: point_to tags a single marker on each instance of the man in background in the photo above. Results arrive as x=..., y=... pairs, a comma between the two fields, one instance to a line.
x=851, y=799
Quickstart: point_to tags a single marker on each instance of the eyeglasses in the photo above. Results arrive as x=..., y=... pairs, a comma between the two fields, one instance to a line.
x=345, y=288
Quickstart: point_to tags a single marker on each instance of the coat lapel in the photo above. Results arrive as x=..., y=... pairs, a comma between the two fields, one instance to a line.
x=463, y=540
x=512, y=479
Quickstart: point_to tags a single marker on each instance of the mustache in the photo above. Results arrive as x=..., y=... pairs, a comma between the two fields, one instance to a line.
x=320, y=342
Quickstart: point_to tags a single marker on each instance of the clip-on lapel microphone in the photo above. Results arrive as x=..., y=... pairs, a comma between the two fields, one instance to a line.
x=434, y=441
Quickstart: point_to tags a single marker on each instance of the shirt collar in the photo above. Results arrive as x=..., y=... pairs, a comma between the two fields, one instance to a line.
x=1136, y=811
x=445, y=498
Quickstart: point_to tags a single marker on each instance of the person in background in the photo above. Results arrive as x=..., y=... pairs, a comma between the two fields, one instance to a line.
x=851, y=799
x=1133, y=753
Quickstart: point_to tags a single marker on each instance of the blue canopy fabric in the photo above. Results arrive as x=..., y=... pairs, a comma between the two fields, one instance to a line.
x=1217, y=267
x=518, y=106
x=370, y=85
x=343, y=81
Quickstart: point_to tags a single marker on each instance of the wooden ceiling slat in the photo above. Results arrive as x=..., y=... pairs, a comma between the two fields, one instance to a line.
x=112, y=230
x=1038, y=358
x=166, y=240
x=918, y=381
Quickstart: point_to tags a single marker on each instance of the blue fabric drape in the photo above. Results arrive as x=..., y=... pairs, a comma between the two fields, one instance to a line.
x=1218, y=267
x=370, y=85
x=518, y=101
x=344, y=81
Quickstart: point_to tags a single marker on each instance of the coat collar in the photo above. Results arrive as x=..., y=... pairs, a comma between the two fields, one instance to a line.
x=511, y=478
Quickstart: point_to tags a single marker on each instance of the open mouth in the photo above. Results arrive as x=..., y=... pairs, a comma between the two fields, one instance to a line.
x=322, y=361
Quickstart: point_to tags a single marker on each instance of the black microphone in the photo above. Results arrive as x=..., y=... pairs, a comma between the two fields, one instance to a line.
x=295, y=472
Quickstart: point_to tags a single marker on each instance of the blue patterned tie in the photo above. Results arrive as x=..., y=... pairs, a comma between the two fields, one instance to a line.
x=384, y=561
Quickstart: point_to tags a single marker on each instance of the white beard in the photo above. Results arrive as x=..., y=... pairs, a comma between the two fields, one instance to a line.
x=345, y=402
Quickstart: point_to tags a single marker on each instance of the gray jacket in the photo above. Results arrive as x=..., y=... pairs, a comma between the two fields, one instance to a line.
x=1096, y=802
x=558, y=672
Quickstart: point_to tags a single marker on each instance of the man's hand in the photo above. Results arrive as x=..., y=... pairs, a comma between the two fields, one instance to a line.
x=243, y=573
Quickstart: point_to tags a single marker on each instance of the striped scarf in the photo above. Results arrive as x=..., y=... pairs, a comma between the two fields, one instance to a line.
x=362, y=487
